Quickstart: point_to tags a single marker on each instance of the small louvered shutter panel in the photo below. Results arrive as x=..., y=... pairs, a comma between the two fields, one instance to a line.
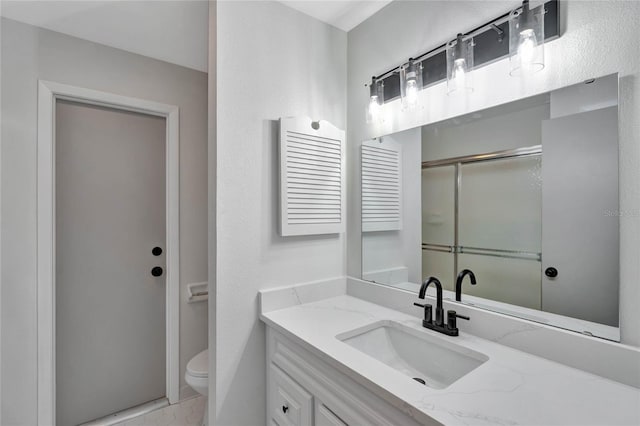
x=312, y=177
x=381, y=164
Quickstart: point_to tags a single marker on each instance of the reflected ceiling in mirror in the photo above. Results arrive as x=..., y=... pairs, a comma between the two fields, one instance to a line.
x=524, y=195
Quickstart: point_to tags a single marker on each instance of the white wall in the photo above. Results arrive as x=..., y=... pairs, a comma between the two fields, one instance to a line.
x=29, y=54
x=212, y=166
x=272, y=62
x=389, y=250
x=598, y=38
x=601, y=93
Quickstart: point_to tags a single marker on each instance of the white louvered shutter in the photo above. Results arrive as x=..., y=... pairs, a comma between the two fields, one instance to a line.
x=381, y=164
x=312, y=177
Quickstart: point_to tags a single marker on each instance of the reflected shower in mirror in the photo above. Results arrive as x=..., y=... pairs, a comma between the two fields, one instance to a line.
x=524, y=195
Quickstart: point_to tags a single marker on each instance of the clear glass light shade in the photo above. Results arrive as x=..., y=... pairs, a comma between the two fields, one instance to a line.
x=526, y=40
x=376, y=100
x=460, y=65
x=410, y=85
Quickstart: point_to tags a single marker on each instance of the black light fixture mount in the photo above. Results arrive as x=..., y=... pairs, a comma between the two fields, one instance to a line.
x=498, y=31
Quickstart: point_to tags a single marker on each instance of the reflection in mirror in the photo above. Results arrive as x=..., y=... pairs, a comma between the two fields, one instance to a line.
x=524, y=194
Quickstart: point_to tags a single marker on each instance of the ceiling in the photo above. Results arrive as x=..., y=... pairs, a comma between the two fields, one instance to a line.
x=172, y=31
x=343, y=14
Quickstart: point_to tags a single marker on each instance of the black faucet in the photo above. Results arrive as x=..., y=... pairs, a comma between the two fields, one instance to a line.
x=423, y=293
x=459, y=280
x=450, y=328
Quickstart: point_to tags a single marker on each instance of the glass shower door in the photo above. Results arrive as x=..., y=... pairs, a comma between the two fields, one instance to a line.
x=500, y=229
x=438, y=224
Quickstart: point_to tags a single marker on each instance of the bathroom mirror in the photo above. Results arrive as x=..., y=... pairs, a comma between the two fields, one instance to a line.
x=524, y=194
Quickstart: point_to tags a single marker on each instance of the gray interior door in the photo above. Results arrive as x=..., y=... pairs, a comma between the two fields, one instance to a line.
x=580, y=224
x=110, y=214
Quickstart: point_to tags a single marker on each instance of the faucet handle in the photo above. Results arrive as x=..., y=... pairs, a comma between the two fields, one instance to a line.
x=452, y=323
x=427, y=312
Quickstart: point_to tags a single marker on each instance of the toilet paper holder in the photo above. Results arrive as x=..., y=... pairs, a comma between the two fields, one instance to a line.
x=197, y=292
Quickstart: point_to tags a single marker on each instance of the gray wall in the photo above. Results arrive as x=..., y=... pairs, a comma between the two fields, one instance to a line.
x=29, y=54
x=272, y=62
x=597, y=39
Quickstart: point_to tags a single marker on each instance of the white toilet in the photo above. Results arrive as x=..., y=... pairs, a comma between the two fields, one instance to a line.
x=197, y=376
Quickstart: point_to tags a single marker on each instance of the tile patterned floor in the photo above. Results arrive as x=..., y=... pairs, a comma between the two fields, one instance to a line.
x=187, y=413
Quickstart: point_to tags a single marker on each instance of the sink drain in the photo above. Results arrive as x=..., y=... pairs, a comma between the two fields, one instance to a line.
x=419, y=380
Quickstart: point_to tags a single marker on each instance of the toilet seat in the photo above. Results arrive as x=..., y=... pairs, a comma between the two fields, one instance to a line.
x=199, y=365
x=197, y=376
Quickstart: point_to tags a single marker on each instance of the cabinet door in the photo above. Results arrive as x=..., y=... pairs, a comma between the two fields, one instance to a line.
x=291, y=405
x=326, y=417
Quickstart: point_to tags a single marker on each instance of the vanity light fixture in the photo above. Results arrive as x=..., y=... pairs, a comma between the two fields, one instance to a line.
x=526, y=28
x=376, y=100
x=526, y=40
x=459, y=65
x=410, y=84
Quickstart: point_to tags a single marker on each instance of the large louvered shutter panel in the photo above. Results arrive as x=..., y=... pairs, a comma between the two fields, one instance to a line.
x=381, y=167
x=312, y=177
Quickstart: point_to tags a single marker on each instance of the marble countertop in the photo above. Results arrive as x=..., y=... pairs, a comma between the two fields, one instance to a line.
x=511, y=388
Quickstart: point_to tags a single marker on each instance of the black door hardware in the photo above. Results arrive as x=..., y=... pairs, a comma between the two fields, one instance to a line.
x=157, y=251
x=551, y=272
x=285, y=409
x=156, y=271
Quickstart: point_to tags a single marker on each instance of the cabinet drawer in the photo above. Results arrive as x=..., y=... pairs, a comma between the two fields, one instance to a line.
x=290, y=404
x=326, y=417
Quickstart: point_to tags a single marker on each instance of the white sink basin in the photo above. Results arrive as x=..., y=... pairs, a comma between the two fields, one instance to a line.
x=436, y=360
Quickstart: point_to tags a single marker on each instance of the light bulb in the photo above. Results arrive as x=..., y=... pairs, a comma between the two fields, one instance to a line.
x=412, y=93
x=460, y=65
x=459, y=75
x=374, y=113
x=526, y=39
x=410, y=84
x=527, y=45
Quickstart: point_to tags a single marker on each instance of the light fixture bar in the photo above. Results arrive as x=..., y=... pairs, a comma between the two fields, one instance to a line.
x=491, y=44
x=494, y=25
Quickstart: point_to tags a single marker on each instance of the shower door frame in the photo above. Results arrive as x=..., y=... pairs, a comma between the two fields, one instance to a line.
x=457, y=163
x=48, y=94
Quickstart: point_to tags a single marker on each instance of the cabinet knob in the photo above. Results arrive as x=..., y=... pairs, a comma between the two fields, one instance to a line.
x=156, y=251
x=285, y=408
x=551, y=272
x=156, y=271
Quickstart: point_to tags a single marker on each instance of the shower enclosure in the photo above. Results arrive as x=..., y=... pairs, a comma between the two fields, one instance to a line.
x=483, y=212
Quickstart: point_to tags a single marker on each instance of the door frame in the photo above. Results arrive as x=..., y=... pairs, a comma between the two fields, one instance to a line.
x=48, y=94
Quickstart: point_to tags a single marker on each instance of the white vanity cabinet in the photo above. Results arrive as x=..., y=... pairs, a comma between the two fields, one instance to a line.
x=304, y=390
